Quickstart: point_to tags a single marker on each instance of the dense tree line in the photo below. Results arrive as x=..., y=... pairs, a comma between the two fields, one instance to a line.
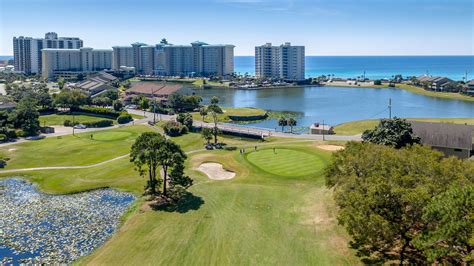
x=407, y=205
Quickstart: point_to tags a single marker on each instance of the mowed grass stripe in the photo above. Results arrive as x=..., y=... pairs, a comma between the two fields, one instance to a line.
x=285, y=162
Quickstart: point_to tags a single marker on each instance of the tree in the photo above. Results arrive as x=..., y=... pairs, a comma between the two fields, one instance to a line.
x=207, y=134
x=282, y=122
x=203, y=112
x=61, y=83
x=118, y=105
x=215, y=111
x=25, y=116
x=291, y=123
x=392, y=132
x=178, y=178
x=144, y=104
x=111, y=94
x=185, y=119
x=70, y=98
x=450, y=219
x=101, y=101
x=169, y=155
x=144, y=153
x=382, y=192
x=179, y=102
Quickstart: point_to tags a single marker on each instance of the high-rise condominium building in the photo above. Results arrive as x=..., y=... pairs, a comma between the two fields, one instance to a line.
x=71, y=62
x=285, y=62
x=27, y=50
x=199, y=59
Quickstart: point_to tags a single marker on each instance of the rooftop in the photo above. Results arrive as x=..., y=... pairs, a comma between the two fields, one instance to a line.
x=445, y=135
x=157, y=89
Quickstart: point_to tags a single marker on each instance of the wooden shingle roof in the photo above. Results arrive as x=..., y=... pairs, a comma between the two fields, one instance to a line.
x=447, y=135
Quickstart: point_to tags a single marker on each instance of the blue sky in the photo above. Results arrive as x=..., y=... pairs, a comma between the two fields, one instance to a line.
x=325, y=27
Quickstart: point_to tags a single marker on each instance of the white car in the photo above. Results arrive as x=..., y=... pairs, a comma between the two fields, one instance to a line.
x=80, y=126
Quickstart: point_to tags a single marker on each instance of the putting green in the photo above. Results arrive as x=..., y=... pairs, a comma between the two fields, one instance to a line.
x=286, y=162
x=109, y=136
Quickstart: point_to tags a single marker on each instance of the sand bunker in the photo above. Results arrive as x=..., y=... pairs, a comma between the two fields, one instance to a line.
x=330, y=147
x=215, y=171
x=12, y=149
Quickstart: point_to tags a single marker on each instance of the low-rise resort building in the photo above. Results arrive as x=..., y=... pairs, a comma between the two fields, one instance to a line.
x=321, y=129
x=451, y=139
x=152, y=90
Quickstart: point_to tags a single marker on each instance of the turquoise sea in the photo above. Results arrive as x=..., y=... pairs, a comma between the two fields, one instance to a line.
x=377, y=67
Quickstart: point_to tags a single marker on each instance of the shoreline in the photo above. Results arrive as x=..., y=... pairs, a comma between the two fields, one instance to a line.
x=406, y=87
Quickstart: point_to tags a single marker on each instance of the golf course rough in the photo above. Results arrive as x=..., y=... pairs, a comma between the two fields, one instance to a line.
x=286, y=162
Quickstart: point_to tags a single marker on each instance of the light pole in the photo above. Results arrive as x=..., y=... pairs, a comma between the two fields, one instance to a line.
x=323, y=130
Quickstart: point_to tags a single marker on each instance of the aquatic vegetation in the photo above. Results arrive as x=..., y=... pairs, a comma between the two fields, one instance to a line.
x=41, y=228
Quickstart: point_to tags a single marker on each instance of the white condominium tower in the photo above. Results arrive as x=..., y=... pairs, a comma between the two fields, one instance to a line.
x=27, y=50
x=198, y=59
x=71, y=62
x=285, y=62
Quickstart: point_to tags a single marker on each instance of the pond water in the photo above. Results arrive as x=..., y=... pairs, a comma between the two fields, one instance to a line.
x=40, y=228
x=337, y=105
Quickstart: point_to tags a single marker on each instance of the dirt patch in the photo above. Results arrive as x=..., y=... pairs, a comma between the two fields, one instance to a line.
x=330, y=147
x=12, y=149
x=215, y=171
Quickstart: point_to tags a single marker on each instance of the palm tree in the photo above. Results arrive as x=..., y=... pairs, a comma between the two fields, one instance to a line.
x=203, y=112
x=282, y=122
x=291, y=123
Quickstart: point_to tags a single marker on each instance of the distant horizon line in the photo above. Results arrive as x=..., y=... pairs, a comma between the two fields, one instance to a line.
x=343, y=55
x=378, y=55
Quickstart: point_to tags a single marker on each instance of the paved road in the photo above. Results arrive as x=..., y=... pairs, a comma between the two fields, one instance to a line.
x=223, y=126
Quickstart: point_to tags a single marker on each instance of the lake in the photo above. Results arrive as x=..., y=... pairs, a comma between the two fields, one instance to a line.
x=337, y=105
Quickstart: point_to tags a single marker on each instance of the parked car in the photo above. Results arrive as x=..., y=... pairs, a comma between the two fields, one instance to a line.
x=80, y=126
x=209, y=147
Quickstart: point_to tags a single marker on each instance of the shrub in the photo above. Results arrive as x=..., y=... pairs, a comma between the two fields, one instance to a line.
x=174, y=129
x=377, y=82
x=3, y=163
x=124, y=118
x=11, y=134
x=69, y=123
x=100, y=123
x=3, y=137
x=21, y=133
x=185, y=119
x=118, y=105
x=98, y=111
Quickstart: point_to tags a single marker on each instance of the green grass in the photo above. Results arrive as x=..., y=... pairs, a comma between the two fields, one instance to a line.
x=58, y=119
x=359, y=126
x=72, y=150
x=200, y=82
x=256, y=218
x=241, y=112
x=416, y=90
x=443, y=95
x=285, y=162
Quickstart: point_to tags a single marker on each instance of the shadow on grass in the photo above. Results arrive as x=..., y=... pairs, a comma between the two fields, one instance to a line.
x=188, y=202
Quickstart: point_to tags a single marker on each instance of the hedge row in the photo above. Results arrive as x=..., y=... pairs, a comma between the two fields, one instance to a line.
x=98, y=111
x=100, y=123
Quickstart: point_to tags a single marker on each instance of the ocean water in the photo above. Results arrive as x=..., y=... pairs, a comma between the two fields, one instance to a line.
x=376, y=67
